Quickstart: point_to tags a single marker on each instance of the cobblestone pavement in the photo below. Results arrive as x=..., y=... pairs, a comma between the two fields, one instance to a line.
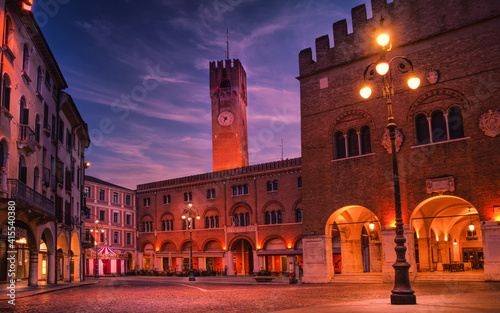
x=165, y=294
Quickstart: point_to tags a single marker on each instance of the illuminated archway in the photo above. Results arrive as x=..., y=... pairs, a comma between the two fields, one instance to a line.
x=444, y=235
x=354, y=234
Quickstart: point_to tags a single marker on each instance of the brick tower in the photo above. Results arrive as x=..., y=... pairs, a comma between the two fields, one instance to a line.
x=228, y=85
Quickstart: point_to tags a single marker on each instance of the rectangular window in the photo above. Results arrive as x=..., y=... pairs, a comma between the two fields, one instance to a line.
x=102, y=237
x=147, y=201
x=128, y=238
x=115, y=197
x=115, y=237
x=101, y=195
x=61, y=132
x=127, y=199
x=129, y=219
x=87, y=192
x=115, y=217
x=102, y=215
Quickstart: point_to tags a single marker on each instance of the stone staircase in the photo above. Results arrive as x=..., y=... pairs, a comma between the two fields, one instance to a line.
x=458, y=276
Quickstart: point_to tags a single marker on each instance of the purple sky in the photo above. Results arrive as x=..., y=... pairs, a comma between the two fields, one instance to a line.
x=138, y=72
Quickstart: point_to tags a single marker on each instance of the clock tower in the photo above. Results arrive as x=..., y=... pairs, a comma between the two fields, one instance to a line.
x=228, y=91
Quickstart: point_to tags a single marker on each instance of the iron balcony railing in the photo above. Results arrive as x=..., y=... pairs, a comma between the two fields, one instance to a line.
x=27, y=134
x=20, y=192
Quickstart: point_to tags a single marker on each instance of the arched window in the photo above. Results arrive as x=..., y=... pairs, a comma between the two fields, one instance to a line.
x=37, y=128
x=236, y=220
x=36, y=179
x=299, y=182
x=166, y=199
x=188, y=196
x=6, y=92
x=438, y=125
x=2, y=155
x=366, y=145
x=268, y=218
x=455, y=123
x=23, y=112
x=9, y=32
x=273, y=217
x=247, y=219
x=269, y=186
x=339, y=146
x=245, y=189
x=23, y=170
x=242, y=220
x=39, y=79
x=207, y=222
x=422, y=129
x=352, y=140
x=298, y=216
x=235, y=191
x=280, y=217
x=216, y=221
x=240, y=190
x=26, y=58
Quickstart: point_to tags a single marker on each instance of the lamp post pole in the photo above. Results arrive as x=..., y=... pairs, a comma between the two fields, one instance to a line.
x=402, y=292
x=96, y=240
x=190, y=214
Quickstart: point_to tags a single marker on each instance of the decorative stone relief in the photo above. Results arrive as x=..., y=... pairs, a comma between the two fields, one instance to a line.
x=433, y=76
x=490, y=123
x=440, y=185
x=386, y=141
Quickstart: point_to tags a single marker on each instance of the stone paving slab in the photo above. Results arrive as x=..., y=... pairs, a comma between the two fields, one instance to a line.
x=23, y=290
x=469, y=302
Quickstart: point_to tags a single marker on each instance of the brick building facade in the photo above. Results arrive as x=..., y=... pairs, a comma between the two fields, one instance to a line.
x=448, y=134
x=250, y=216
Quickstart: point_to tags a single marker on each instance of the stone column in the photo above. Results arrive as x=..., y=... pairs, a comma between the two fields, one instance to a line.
x=229, y=262
x=491, y=242
x=140, y=260
x=424, y=254
x=202, y=264
x=67, y=270
x=178, y=266
x=256, y=260
x=375, y=256
x=318, y=259
x=77, y=268
x=51, y=267
x=388, y=235
x=33, y=270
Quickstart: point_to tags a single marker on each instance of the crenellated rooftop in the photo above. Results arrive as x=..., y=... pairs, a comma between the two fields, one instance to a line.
x=408, y=20
x=251, y=169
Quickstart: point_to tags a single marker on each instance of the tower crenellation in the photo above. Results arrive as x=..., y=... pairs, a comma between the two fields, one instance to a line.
x=407, y=16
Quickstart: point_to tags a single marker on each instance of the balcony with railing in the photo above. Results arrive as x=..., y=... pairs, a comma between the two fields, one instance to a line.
x=27, y=139
x=27, y=198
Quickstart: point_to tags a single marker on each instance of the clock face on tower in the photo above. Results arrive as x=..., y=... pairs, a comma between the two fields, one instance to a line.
x=225, y=118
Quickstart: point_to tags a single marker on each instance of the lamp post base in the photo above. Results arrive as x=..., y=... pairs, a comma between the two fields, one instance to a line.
x=403, y=299
x=191, y=275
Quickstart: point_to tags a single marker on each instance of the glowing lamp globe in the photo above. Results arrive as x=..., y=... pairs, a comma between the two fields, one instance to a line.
x=382, y=68
x=414, y=82
x=371, y=226
x=383, y=39
x=471, y=227
x=184, y=217
x=365, y=92
x=198, y=217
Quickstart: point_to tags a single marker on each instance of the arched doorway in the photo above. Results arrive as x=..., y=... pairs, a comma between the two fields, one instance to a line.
x=448, y=235
x=242, y=257
x=356, y=246
x=62, y=258
x=25, y=265
x=75, y=258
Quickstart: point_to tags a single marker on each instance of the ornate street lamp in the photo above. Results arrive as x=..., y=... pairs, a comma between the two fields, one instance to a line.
x=402, y=292
x=190, y=214
x=97, y=230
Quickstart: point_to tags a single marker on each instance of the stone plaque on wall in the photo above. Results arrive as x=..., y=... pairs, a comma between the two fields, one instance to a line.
x=241, y=229
x=440, y=185
x=314, y=253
